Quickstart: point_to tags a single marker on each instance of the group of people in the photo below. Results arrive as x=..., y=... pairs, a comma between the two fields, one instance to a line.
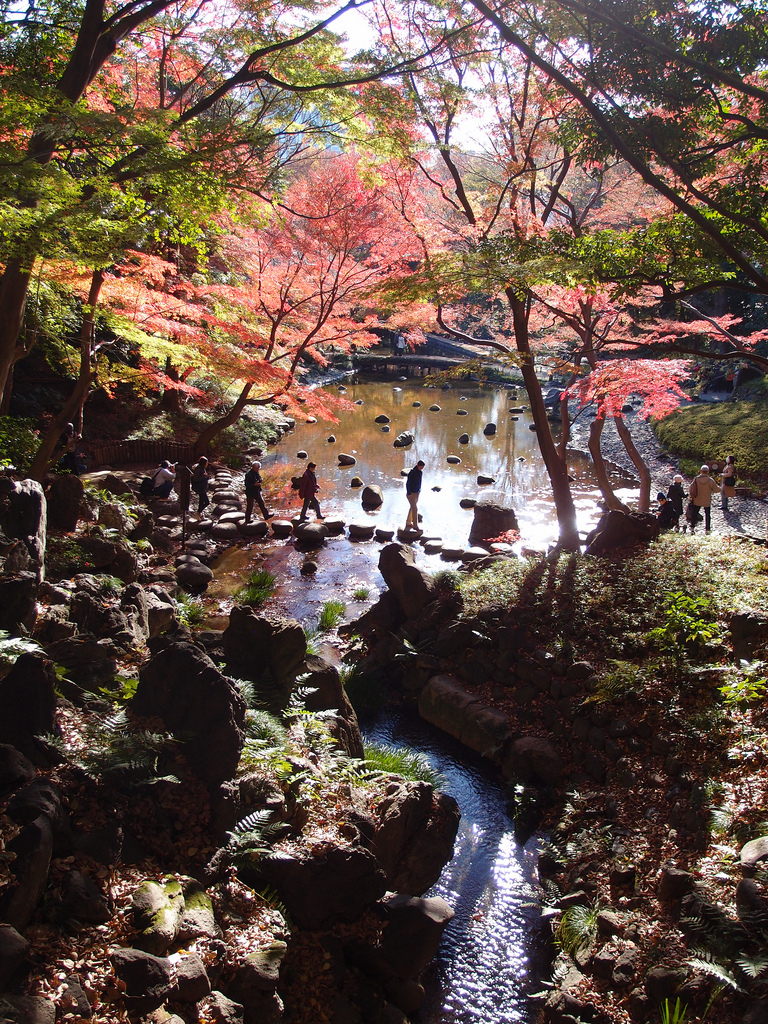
x=162, y=482
x=700, y=493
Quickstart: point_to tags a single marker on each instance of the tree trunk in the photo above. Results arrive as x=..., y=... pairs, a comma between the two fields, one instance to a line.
x=644, y=500
x=74, y=404
x=209, y=434
x=609, y=497
x=556, y=466
x=171, y=400
x=13, y=298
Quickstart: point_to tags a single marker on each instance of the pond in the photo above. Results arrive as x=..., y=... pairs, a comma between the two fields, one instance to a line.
x=510, y=456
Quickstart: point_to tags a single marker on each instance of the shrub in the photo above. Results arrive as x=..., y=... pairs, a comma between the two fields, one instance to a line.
x=403, y=761
x=18, y=442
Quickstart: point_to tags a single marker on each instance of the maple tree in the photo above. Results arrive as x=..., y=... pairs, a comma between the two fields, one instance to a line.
x=153, y=113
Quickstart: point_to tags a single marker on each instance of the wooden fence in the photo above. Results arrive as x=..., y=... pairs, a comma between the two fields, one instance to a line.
x=119, y=453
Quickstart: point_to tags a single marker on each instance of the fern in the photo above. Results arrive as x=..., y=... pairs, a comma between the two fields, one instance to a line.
x=252, y=836
x=754, y=967
x=706, y=965
x=577, y=928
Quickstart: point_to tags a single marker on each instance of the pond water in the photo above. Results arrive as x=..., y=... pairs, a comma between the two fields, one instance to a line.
x=511, y=456
x=491, y=955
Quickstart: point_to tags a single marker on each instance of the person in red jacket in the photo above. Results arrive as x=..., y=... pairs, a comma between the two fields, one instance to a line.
x=308, y=489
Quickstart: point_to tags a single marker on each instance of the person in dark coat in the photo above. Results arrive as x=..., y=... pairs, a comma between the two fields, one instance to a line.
x=666, y=516
x=412, y=492
x=253, y=485
x=676, y=494
x=199, y=483
x=308, y=489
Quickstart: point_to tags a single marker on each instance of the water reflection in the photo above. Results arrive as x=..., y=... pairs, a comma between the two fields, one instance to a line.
x=511, y=457
x=490, y=954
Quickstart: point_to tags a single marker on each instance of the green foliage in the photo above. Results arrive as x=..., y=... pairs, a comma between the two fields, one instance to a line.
x=687, y=628
x=331, y=615
x=361, y=593
x=673, y=1014
x=189, y=610
x=623, y=680
x=748, y=687
x=577, y=928
x=261, y=725
x=124, y=693
x=11, y=647
x=258, y=589
x=737, y=428
x=252, y=837
x=403, y=761
x=119, y=754
x=447, y=580
x=18, y=442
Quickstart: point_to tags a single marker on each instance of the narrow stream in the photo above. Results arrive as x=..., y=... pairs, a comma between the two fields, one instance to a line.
x=492, y=951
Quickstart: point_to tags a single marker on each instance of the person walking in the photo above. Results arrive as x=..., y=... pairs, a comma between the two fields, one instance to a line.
x=253, y=485
x=308, y=488
x=701, y=490
x=676, y=494
x=199, y=483
x=728, y=482
x=412, y=492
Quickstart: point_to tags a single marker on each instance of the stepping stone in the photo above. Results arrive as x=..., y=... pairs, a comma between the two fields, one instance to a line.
x=382, y=418
x=409, y=536
x=433, y=547
x=334, y=526
x=384, y=535
x=361, y=531
x=416, y=405
x=257, y=529
x=225, y=531
x=385, y=430
x=517, y=408
x=452, y=554
x=489, y=429
x=358, y=401
x=462, y=412
x=483, y=479
x=463, y=438
x=232, y=517
x=311, y=533
x=502, y=548
x=302, y=454
x=308, y=568
x=282, y=527
x=356, y=481
x=470, y=554
x=453, y=460
x=434, y=408
x=331, y=439
x=346, y=460
x=467, y=503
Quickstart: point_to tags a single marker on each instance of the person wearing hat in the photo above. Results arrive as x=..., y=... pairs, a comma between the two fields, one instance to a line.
x=253, y=485
x=701, y=490
x=676, y=494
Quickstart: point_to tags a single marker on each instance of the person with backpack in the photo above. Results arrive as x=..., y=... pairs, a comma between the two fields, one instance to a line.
x=308, y=488
x=728, y=482
x=161, y=482
x=199, y=483
x=701, y=490
x=253, y=484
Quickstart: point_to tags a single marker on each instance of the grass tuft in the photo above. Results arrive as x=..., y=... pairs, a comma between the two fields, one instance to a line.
x=258, y=588
x=409, y=764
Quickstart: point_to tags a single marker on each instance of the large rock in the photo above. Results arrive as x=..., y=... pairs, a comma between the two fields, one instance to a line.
x=310, y=535
x=372, y=496
x=254, y=643
x=323, y=889
x=148, y=979
x=89, y=662
x=15, y=769
x=24, y=517
x=158, y=910
x=63, y=496
x=183, y=687
x=194, y=574
x=31, y=851
x=491, y=520
x=346, y=460
x=13, y=949
x=161, y=610
x=533, y=759
x=617, y=530
x=447, y=704
x=412, y=587
x=403, y=440
x=415, y=832
x=28, y=703
x=327, y=693
x=18, y=605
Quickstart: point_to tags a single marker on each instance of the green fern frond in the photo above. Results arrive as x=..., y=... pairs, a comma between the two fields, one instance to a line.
x=754, y=967
x=716, y=970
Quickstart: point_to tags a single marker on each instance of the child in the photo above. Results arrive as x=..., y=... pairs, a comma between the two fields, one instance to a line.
x=666, y=516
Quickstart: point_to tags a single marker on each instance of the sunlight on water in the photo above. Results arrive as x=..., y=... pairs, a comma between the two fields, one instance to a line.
x=483, y=971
